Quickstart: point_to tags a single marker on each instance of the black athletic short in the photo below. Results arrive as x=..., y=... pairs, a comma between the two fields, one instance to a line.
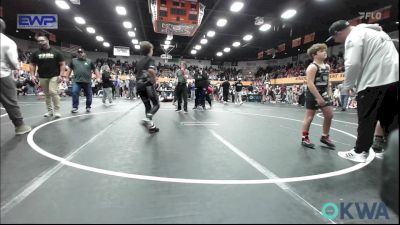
x=311, y=102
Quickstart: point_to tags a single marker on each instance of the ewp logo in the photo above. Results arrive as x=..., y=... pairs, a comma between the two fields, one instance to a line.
x=364, y=211
x=37, y=21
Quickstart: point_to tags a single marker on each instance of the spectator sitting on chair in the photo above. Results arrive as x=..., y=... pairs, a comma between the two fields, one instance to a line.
x=21, y=86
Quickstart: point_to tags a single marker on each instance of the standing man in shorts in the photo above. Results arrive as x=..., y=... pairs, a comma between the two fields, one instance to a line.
x=317, y=95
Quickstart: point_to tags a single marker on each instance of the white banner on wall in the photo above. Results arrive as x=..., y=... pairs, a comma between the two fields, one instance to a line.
x=121, y=51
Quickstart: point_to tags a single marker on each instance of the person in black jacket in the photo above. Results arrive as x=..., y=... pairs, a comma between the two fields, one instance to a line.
x=225, y=90
x=200, y=78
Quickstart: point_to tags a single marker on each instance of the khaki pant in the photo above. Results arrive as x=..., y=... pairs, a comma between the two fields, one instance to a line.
x=107, y=93
x=50, y=87
x=238, y=97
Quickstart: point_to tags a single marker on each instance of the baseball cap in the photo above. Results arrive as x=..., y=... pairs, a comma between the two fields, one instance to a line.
x=2, y=25
x=336, y=27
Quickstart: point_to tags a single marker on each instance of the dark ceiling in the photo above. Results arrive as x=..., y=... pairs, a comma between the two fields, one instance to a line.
x=312, y=16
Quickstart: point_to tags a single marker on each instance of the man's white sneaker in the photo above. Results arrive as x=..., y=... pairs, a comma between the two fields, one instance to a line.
x=147, y=122
x=353, y=156
x=48, y=114
x=57, y=115
x=379, y=154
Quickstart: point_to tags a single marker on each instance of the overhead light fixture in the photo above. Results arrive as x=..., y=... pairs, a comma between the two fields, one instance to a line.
x=79, y=20
x=236, y=44
x=203, y=41
x=248, y=37
x=127, y=24
x=397, y=22
x=211, y=33
x=62, y=4
x=167, y=42
x=237, y=6
x=197, y=47
x=131, y=34
x=135, y=41
x=222, y=22
x=227, y=49
x=193, y=52
x=288, y=14
x=265, y=27
x=120, y=10
x=137, y=46
x=106, y=44
x=99, y=38
x=219, y=53
x=91, y=30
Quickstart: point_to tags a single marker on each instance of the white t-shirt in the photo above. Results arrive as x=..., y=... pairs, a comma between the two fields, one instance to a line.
x=8, y=56
x=336, y=93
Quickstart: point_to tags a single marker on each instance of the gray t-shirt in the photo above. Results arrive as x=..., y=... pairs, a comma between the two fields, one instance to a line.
x=342, y=90
x=180, y=75
x=132, y=83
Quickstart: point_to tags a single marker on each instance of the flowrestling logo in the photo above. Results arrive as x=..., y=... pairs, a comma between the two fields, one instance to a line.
x=372, y=15
x=355, y=210
x=37, y=21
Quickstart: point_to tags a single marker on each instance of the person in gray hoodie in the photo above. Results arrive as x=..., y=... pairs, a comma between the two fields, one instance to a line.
x=372, y=64
x=8, y=91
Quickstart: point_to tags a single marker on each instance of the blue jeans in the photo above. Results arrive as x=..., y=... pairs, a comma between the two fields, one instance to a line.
x=343, y=100
x=76, y=89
